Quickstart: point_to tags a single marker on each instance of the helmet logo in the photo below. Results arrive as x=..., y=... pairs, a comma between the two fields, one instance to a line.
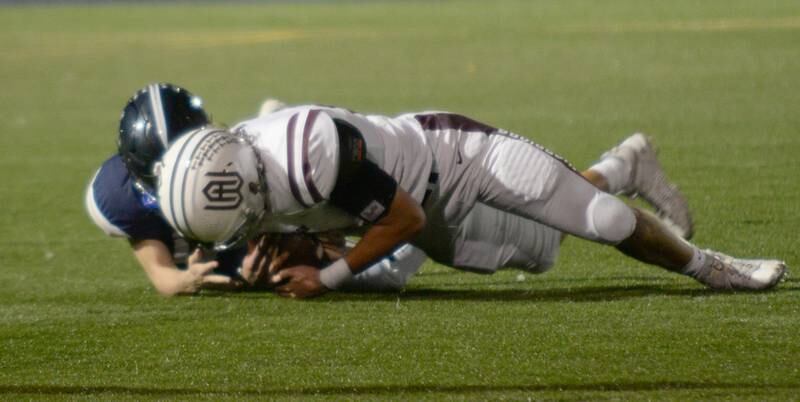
x=223, y=191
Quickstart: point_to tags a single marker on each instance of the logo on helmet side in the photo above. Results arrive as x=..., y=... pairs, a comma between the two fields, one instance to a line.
x=223, y=191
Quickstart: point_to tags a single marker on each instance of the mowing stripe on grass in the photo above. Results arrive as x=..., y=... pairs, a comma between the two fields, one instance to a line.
x=716, y=25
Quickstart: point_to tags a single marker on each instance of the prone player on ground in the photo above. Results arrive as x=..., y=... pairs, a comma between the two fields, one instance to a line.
x=415, y=178
x=512, y=242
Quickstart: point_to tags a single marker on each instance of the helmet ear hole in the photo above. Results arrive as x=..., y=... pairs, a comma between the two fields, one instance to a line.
x=152, y=119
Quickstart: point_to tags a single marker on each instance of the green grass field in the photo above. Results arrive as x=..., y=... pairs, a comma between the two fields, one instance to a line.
x=717, y=83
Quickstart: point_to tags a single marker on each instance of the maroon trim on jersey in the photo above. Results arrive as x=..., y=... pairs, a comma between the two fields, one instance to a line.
x=452, y=121
x=312, y=189
x=290, y=160
x=543, y=149
x=448, y=121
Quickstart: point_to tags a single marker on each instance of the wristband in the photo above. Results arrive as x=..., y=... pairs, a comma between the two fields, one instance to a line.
x=335, y=275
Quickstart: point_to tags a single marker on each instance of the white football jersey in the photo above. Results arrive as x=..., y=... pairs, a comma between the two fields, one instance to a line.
x=300, y=148
x=396, y=145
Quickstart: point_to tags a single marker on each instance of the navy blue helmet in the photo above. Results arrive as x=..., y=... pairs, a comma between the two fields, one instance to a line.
x=153, y=118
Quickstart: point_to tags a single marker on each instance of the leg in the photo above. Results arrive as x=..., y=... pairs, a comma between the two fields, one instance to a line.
x=489, y=239
x=522, y=178
x=653, y=243
x=559, y=197
x=649, y=234
x=632, y=168
x=482, y=164
x=596, y=178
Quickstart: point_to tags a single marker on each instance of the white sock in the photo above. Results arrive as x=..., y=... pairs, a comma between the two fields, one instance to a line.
x=616, y=172
x=696, y=264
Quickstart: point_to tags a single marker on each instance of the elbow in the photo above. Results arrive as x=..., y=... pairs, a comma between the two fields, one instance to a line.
x=416, y=223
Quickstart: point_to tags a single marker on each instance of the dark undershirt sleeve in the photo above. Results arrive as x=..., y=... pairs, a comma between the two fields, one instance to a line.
x=362, y=188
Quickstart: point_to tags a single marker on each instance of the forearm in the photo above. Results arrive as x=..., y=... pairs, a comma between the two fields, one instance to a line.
x=157, y=262
x=169, y=281
x=403, y=222
x=377, y=242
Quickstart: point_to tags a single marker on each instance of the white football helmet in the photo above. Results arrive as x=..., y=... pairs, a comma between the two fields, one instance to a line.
x=211, y=187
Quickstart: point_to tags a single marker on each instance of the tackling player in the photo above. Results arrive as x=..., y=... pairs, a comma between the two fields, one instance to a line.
x=120, y=198
x=414, y=178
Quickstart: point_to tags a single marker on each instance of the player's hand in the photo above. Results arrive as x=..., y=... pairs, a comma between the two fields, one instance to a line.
x=333, y=244
x=223, y=283
x=260, y=262
x=198, y=275
x=300, y=281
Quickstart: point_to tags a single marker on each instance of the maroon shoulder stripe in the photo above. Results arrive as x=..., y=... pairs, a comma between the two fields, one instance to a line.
x=290, y=160
x=312, y=189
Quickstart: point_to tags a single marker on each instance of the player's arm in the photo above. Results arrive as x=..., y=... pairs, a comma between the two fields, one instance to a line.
x=391, y=273
x=119, y=211
x=395, y=218
x=366, y=192
x=404, y=220
x=157, y=262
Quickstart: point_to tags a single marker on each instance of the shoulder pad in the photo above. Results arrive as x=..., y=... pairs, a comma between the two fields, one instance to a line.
x=300, y=150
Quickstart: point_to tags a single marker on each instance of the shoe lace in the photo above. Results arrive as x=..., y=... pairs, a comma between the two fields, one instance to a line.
x=732, y=266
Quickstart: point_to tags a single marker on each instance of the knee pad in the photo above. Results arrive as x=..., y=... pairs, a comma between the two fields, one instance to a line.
x=610, y=219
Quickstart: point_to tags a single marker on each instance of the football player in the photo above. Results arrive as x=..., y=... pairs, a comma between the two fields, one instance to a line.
x=414, y=178
x=120, y=201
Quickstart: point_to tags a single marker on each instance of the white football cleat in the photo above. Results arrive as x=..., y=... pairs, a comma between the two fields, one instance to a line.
x=649, y=181
x=725, y=272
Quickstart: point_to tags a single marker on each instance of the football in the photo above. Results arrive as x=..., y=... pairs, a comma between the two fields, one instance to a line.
x=302, y=249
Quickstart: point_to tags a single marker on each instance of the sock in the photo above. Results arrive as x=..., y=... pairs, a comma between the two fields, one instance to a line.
x=615, y=170
x=696, y=264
